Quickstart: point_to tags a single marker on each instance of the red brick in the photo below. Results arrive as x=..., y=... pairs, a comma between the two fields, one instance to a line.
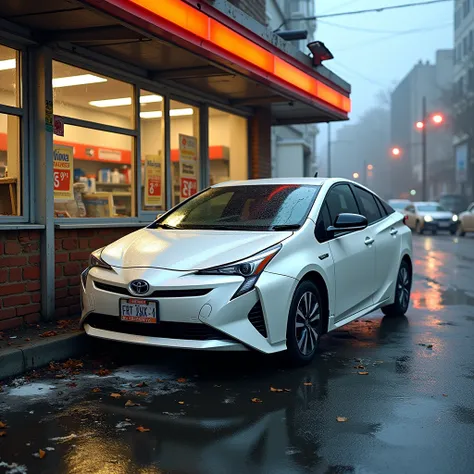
x=35, y=235
x=15, y=274
x=3, y=275
x=73, y=281
x=61, y=234
x=62, y=257
x=73, y=290
x=24, y=236
x=35, y=297
x=58, y=271
x=58, y=245
x=7, y=313
x=29, y=309
x=12, y=248
x=10, y=323
x=83, y=243
x=34, y=259
x=16, y=300
x=32, y=318
x=33, y=286
x=2, y=249
x=96, y=242
x=75, y=310
x=60, y=283
x=75, y=256
x=61, y=312
x=62, y=303
x=72, y=268
x=61, y=293
x=31, y=273
x=12, y=235
x=87, y=233
x=69, y=244
x=12, y=289
x=13, y=261
x=30, y=247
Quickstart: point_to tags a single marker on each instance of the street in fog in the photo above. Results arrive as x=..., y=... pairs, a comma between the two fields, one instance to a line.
x=402, y=389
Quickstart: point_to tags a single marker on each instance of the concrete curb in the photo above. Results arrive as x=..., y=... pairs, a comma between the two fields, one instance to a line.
x=39, y=354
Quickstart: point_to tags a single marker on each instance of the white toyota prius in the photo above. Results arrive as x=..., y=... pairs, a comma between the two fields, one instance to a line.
x=269, y=265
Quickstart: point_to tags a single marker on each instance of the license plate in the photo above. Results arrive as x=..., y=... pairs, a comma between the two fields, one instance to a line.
x=138, y=311
x=444, y=224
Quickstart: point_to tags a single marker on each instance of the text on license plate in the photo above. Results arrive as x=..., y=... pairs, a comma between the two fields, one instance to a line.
x=139, y=311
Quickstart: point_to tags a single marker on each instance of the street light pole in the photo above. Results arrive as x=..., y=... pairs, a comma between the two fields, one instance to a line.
x=423, y=150
x=329, y=149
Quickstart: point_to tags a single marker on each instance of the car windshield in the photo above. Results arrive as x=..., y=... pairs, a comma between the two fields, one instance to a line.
x=399, y=205
x=247, y=207
x=430, y=208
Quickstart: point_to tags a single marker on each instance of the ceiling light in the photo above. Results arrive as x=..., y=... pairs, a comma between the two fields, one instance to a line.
x=173, y=113
x=144, y=99
x=181, y=112
x=77, y=80
x=7, y=64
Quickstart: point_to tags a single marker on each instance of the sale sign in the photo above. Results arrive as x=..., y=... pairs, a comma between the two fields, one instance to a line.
x=63, y=172
x=188, y=165
x=153, y=180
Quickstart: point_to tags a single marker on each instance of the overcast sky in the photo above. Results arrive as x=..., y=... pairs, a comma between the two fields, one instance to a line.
x=374, y=51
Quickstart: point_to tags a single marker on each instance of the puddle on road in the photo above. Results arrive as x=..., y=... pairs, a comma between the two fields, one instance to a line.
x=430, y=295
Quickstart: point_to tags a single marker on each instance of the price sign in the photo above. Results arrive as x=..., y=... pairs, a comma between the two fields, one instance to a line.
x=153, y=180
x=188, y=164
x=188, y=187
x=63, y=163
x=61, y=180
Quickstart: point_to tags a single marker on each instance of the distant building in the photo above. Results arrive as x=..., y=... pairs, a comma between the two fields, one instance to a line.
x=293, y=146
x=433, y=81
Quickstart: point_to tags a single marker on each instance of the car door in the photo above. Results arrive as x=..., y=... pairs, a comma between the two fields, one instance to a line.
x=353, y=254
x=385, y=231
x=470, y=219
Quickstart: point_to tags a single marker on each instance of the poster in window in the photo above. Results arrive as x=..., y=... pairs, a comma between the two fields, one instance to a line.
x=188, y=165
x=63, y=176
x=153, y=180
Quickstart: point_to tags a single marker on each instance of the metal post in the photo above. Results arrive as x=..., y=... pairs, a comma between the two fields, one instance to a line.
x=423, y=150
x=329, y=149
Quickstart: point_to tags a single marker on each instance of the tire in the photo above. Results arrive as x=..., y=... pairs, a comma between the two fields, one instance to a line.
x=402, y=292
x=452, y=231
x=460, y=231
x=418, y=228
x=434, y=231
x=306, y=311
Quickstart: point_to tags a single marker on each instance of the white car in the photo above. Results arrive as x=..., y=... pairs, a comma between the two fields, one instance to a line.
x=430, y=216
x=269, y=265
x=466, y=221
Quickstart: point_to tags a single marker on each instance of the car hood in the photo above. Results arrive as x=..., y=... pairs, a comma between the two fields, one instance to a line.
x=438, y=215
x=185, y=250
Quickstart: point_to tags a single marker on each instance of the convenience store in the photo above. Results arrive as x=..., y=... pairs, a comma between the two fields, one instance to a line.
x=112, y=111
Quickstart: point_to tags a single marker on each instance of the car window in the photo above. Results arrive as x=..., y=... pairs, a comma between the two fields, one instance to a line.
x=341, y=200
x=369, y=206
x=322, y=224
x=430, y=208
x=410, y=209
x=386, y=207
x=213, y=208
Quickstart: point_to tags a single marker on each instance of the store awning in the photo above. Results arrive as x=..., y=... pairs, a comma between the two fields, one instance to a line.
x=193, y=46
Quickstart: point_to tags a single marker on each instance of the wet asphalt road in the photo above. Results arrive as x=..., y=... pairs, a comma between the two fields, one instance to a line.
x=412, y=413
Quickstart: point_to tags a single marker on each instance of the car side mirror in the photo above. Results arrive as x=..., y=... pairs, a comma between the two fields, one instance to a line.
x=346, y=222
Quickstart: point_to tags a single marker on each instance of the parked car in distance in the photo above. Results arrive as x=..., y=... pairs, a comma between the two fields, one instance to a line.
x=269, y=265
x=399, y=204
x=430, y=216
x=466, y=221
x=456, y=203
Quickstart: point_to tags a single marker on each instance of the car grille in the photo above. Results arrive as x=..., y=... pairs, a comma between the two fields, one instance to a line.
x=443, y=220
x=156, y=294
x=257, y=320
x=171, y=330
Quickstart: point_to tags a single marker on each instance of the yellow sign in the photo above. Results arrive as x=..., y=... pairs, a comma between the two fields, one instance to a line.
x=63, y=172
x=188, y=164
x=153, y=180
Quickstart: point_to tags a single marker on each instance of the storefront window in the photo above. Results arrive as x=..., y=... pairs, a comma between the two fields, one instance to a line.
x=228, y=148
x=185, y=164
x=10, y=136
x=152, y=156
x=94, y=172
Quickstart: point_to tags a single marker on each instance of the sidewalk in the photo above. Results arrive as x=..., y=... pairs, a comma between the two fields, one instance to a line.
x=35, y=346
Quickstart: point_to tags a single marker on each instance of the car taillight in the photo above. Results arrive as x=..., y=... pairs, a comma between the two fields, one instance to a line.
x=405, y=218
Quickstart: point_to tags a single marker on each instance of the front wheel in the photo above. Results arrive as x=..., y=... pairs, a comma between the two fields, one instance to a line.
x=305, y=324
x=402, y=292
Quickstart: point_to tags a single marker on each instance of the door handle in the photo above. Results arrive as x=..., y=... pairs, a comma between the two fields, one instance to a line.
x=369, y=241
x=393, y=231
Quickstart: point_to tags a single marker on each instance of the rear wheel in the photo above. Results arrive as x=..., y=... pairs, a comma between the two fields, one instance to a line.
x=402, y=292
x=419, y=228
x=305, y=324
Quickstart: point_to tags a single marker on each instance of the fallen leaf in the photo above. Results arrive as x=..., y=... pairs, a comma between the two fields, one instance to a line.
x=73, y=364
x=181, y=380
x=142, y=429
x=308, y=384
x=181, y=403
x=102, y=372
x=60, y=376
x=115, y=395
x=273, y=389
x=49, y=334
x=2, y=434
x=141, y=385
x=363, y=373
x=256, y=400
x=129, y=403
x=2, y=424
x=141, y=394
x=341, y=419
x=359, y=367
x=27, y=339
x=41, y=454
x=96, y=390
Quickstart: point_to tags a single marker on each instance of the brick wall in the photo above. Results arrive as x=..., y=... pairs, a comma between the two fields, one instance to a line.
x=20, y=298
x=73, y=248
x=260, y=144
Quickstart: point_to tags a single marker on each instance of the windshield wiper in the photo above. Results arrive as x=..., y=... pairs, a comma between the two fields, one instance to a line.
x=285, y=227
x=164, y=226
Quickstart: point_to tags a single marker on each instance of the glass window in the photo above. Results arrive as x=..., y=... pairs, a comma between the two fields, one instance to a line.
x=94, y=172
x=228, y=147
x=341, y=200
x=430, y=208
x=185, y=164
x=322, y=224
x=10, y=134
x=369, y=206
x=151, y=147
x=252, y=207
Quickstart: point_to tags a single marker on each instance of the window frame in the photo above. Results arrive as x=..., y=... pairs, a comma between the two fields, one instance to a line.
x=23, y=113
x=361, y=205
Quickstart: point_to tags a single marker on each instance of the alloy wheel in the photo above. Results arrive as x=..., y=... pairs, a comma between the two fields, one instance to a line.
x=307, y=321
x=403, y=285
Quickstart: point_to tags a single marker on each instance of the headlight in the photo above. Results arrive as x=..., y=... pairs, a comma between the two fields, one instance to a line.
x=250, y=269
x=95, y=260
x=455, y=218
x=428, y=219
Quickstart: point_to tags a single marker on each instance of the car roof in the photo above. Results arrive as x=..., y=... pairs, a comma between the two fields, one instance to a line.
x=282, y=181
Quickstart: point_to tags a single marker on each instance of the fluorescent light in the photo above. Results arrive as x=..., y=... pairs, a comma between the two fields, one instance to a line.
x=173, y=113
x=77, y=80
x=144, y=99
x=7, y=64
